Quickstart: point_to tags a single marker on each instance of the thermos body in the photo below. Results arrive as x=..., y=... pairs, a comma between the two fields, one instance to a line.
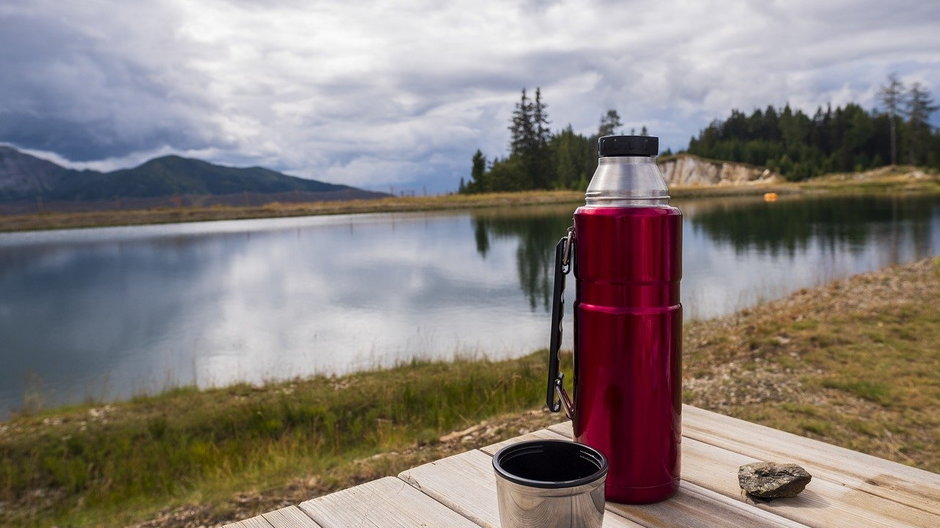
x=627, y=253
x=627, y=338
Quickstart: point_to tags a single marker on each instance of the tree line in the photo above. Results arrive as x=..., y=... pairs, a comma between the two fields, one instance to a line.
x=843, y=139
x=788, y=141
x=538, y=158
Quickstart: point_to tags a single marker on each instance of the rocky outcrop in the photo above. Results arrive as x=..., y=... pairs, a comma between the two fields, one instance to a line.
x=686, y=170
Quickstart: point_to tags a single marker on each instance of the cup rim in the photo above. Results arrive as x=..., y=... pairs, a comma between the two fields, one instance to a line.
x=584, y=451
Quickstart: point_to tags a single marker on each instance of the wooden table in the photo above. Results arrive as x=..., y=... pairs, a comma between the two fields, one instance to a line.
x=848, y=489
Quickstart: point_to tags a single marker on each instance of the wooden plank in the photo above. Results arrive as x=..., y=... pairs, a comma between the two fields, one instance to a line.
x=694, y=507
x=254, y=522
x=388, y=502
x=565, y=429
x=290, y=517
x=877, y=476
x=541, y=434
x=691, y=507
x=466, y=484
x=824, y=503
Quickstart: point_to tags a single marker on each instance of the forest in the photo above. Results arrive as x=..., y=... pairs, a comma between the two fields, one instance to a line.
x=786, y=140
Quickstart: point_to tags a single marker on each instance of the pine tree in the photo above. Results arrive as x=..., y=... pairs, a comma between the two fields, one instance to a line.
x=891, y=96
x=521, y=128
x=610, y=123
x=529, y=138
x=539, y=161
x=918, y=107
x=479, y=166
x=540, y=121
x=574, y=158
x=477, y=175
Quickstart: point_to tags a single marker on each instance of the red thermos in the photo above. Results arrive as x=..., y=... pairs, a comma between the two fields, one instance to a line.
x=627, y=250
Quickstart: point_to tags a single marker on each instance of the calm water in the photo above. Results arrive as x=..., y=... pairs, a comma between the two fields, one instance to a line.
x=108, y=313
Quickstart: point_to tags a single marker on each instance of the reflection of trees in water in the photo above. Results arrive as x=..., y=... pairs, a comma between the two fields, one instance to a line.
x=834, y=222
x=538, y=232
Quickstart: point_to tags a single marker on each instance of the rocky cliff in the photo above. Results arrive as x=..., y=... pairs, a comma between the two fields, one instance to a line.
x=691, y=170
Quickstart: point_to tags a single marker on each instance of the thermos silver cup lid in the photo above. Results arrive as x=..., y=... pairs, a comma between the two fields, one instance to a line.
x=550, y=484
x=550, y=464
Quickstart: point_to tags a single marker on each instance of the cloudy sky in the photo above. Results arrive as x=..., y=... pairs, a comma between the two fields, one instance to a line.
x=398, y=94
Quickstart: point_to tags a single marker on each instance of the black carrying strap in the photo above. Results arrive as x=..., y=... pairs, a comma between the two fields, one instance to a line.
x=555, y=395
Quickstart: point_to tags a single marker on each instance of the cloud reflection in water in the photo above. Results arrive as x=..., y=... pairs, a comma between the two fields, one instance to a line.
x=106, y=313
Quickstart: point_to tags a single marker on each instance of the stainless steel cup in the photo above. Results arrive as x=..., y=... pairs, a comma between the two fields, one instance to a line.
x=550, y=484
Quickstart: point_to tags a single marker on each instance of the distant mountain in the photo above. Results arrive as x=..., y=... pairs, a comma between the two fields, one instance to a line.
x=27, y=179
x=24, y=177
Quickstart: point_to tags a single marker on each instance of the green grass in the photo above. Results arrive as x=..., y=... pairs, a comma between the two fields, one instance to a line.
x=156, y=450
x=816, y=427
x=873, y=391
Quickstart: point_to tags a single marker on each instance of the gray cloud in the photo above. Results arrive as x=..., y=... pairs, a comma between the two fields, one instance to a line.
x=380, y=95
x=90, y=88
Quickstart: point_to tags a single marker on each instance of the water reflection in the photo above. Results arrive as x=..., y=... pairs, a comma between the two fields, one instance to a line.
x=740, y=251
x=537, y=232
x=106, y=313
x=115, y=315
x=845, y=222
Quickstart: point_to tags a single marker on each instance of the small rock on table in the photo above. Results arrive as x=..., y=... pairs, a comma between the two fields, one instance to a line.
x=769, y=480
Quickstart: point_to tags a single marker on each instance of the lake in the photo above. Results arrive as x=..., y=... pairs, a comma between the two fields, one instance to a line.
x=108, y=313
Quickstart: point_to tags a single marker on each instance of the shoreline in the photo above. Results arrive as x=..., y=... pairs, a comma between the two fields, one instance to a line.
x=880, y=181
x=852, y=363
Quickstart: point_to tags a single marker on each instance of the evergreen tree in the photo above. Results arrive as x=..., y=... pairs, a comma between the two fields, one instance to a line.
x=573, y=157
x=523, y=144
x=477, y=175
x=507, y=175
x=539, y=162
x=891, y=97
x=918, y=107
x=834, y=139
x=479, y=166
x=610, y=123
x=770, y=126
x=540, y=121
x=521, y=129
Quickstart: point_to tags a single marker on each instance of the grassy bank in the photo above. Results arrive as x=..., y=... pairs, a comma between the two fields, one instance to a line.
x=87, y=465
x=59, y=220
x=853, y=363
x=893, y=179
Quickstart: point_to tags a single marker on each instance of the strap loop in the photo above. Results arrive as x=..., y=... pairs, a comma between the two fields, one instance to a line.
x=555, y=396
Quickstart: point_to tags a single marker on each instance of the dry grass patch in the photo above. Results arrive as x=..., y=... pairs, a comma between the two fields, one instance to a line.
x=854, y=363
